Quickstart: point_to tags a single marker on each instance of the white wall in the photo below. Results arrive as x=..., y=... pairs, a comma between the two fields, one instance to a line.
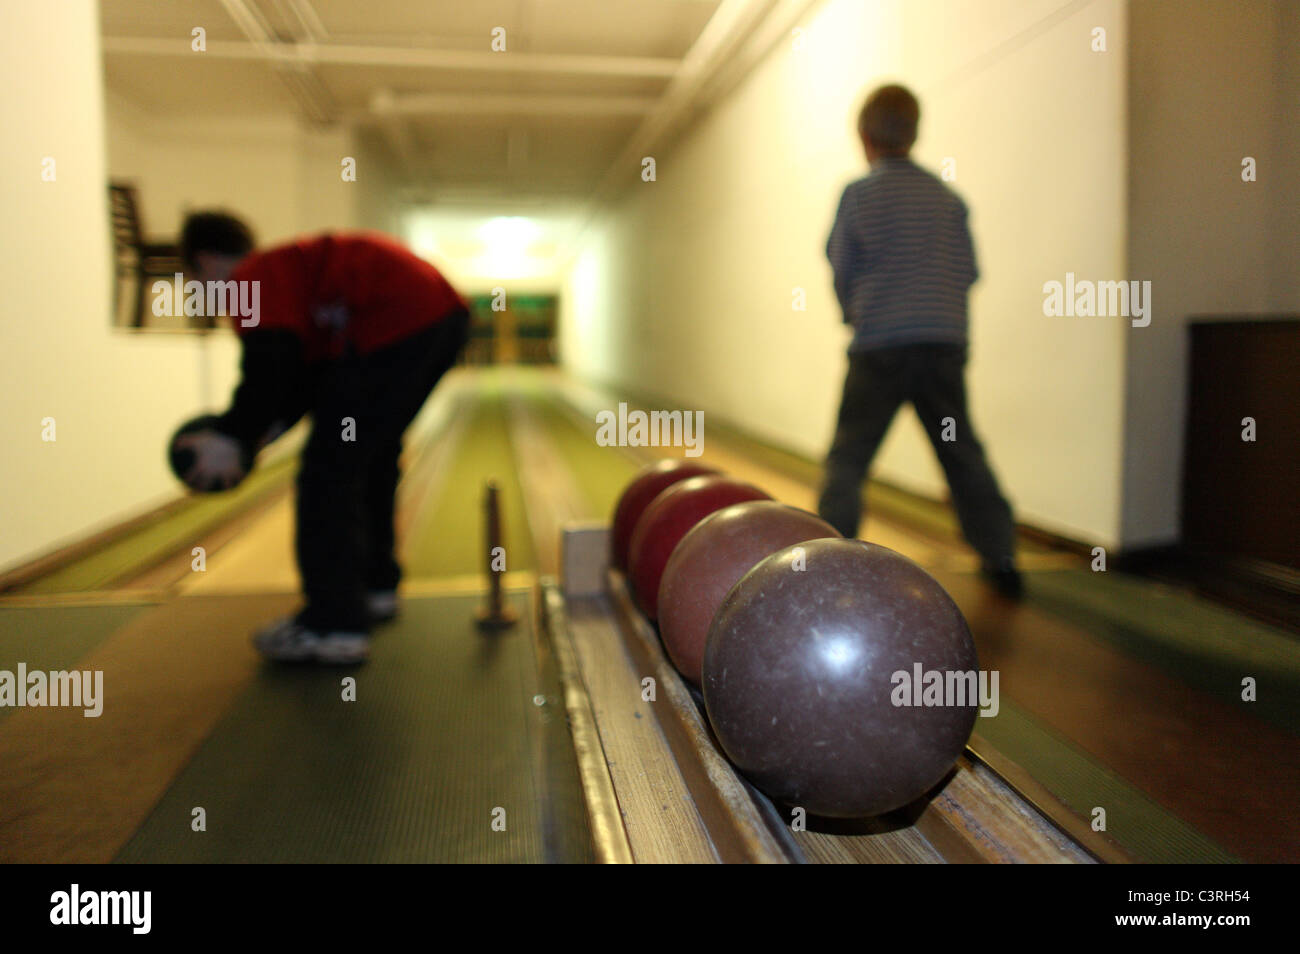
x=377, y=205
x=683, y=289
x=279, y=176
x=282, y=178
x=1212, y=81
x=113, y=396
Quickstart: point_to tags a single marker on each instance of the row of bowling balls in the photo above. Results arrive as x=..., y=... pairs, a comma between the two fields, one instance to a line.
x=794, y=635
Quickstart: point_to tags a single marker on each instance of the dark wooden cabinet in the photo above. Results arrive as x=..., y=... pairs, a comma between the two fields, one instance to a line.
x=1242, y=498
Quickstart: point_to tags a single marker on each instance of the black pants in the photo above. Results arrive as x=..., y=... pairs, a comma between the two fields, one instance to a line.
x=932, y=377
x=348, y=481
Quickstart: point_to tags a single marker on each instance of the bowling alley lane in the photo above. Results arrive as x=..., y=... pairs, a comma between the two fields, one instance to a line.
x=1109, y=697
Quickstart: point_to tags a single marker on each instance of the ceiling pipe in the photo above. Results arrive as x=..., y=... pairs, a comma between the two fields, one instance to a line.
x=312, y=96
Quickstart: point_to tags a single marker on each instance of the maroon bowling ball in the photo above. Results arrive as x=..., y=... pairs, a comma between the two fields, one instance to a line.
x=638, y=495
x=670, y=517
x=799, y=678
x=716, y=553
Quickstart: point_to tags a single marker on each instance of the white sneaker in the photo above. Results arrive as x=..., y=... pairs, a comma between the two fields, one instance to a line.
x=382, y=605
x=289, y=641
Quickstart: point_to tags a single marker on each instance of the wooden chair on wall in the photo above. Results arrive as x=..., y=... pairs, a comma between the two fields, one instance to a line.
x=135, y=259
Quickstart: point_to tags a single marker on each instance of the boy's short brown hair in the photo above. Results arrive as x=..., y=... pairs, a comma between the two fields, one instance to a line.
x=218, y=232
x=889, y=118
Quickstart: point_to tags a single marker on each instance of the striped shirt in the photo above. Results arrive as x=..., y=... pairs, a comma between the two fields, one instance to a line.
x=903, y=258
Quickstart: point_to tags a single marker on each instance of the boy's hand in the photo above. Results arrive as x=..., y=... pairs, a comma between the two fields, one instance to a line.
x=217, y=464
x=272, y=434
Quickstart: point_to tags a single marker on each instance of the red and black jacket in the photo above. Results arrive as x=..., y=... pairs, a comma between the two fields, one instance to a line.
x=320, y=299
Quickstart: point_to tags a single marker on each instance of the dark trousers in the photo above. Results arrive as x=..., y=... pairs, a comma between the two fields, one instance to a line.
x=932, y=377
x=348, y=481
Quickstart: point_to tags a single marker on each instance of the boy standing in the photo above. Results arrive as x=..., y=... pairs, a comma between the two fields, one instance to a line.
x=354, y=330
x=903, y=261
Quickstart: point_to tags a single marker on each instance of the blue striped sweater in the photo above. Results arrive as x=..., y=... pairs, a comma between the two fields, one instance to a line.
x=903, y=258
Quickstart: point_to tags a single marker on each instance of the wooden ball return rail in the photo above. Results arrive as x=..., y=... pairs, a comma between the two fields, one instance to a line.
x=658, y=788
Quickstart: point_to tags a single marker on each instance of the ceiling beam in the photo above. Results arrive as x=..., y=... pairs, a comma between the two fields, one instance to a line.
x=330, y=54
x=387, y=104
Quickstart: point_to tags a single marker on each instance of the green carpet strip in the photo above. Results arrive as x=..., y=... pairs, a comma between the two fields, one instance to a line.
x=448, y=538
x=1146, y=830
x=1200, y=643
x=441, y=736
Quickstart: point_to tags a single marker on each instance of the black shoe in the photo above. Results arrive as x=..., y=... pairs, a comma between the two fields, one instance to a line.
x=1006, y=581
